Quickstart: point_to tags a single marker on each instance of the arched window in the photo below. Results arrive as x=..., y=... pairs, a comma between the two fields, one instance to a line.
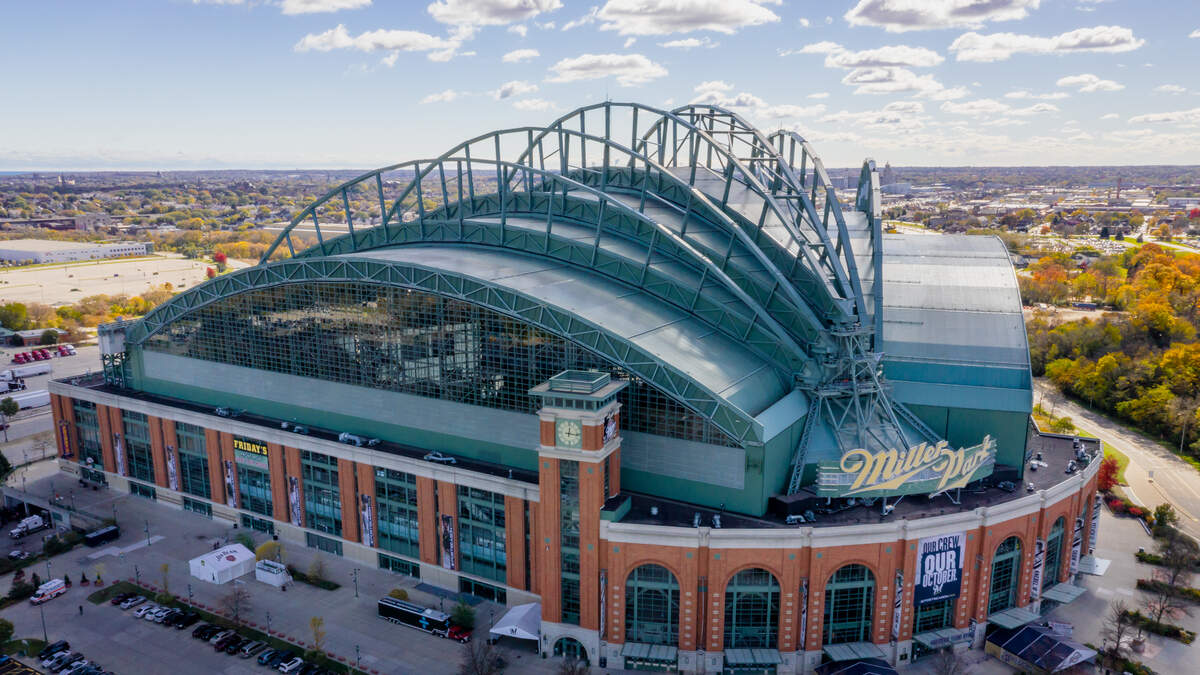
x=849, y=597
x=1054, y=545
x=1006, y=575
x=652, y=606
x=752, y=610
x=571, y=649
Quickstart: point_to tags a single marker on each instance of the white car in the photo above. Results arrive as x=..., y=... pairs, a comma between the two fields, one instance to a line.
x=78, y=667
x=133, y=602
x=145, y=609
x=291, y=666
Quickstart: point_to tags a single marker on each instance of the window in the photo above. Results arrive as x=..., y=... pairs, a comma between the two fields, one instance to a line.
x=934, y=616
x=193, y=460
x=1054, y=546
x=87, y=429
x=482, y=590
x=254, y=489
x=140, y=490
x=394, y=564
x=652, y=606
x=323, y=543
x=140, y=461
x=849, y=598
x=197, y=506
x=322, y=504
x=568, y=493
x=412, y=342
x=258, y=524
x=396, y=498
x=1006, y=567
x=481, y=533
x=93, y=476
x=752, y=610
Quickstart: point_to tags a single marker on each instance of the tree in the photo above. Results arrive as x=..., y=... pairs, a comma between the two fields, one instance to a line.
x=210, y=273
x=8, y=408
x=398, y=593
x=316, y=570
x=1116, y=627
x=1178, y=555
x=6, y=630
x=14, y=316
x=1107, y=476
x=49, y=337
x=1164, y=514
x=463, y=615
x=220, y=258
x=268, y=550
x=480, y=658
x=166, y=580
x=573, y=667
x=233, y=602
x=317, y=624
x=245, y=539
x=35, y=580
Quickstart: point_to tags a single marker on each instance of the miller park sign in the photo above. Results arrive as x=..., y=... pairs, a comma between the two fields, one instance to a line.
x=925, y=468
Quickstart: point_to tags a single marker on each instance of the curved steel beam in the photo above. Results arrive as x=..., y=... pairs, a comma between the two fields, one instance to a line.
x=735, y=422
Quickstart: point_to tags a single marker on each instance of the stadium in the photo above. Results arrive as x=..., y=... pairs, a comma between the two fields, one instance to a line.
x=641, y=367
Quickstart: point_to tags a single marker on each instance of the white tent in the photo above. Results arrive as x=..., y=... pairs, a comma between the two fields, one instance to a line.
x=223, y=565
x=523, y=622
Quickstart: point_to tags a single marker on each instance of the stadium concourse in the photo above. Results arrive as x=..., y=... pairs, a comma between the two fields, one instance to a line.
x=641, y=367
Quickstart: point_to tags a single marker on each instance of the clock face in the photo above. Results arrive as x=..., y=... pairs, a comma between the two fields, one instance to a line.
x=569, y=433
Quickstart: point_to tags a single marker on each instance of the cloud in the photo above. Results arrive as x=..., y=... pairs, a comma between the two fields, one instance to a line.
x=985, y=107
x=1170, y=89
x=662, y=17
x=1004, y=122
x=787, y=111
x=688, y=43
x=1001, y=46
x=519, y=29
x=897, y=16
x=1178, y=117
x=882, y=57
x=1110, y=116
x=513, y=88
x=488, y=12
x=819, y=94
x=1088, y=83
x=1195, y=33
x=899, y=81
x=440, y=49
x=716, y=92
x=814, y=48
x=584, y=20
x=629, y=69
x=317, y=6
x=519, y=55
x=1022, y=94
x=534, y=104
x=804, y=23
x=629, y=42
x=893, y=116
x=442, y=96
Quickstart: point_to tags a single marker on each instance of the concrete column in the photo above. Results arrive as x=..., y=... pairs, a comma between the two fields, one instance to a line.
x=157, y=450
x=549, y=556
x=276, y=460
x=514, y=541
x=348, y=495
x=216, y=469
x=427, y=521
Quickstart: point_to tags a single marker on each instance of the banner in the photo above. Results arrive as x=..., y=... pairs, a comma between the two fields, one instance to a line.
x=1076, y=545
x=294, y=501
x=603, y=604
x=1095, y=531
x=939, y=568
x=803, y=614
x=119, y=452
x=252, y=452
x=367, y=520
x=172, y=474
x=448, y=551
x=64, y=438
x=230, y=491
x=1035, y=579
x=899, y=601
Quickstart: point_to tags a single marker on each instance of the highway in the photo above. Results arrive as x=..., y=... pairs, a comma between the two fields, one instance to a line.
x=1154, y=476
x=30, y=422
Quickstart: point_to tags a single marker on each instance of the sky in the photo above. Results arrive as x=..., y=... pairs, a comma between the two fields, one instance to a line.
x=191, y=84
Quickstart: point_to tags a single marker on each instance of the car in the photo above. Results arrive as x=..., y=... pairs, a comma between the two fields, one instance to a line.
x=291, y=666
x=203, y=632
x=220, y=635
x=309, y=669
x=185, y=619
x=18, y=555
x=54, y=648
x=54, y=658
x=235, y=645
x=251, y=648
x=265, y=657
x=133, y=601
x=459, y=633
x=77, y=667
x=148, y=608
x=120, y=598
x=62, y=662
x=282, y=656
x=167, y=618
x=229, y=412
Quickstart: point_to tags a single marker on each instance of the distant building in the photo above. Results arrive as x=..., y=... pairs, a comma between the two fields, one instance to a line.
x=1183, y=202
x=45, y=251
x=84, y=222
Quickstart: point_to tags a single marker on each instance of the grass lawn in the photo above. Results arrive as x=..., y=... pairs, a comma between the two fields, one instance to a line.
x=1122, y=460
x=25, y=647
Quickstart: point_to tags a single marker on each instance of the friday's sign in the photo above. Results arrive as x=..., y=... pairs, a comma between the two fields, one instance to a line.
x=922, y=469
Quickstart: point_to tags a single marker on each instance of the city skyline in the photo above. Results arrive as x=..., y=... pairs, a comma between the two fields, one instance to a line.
x=357, y=84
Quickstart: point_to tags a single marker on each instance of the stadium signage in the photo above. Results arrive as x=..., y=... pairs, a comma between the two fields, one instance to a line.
x=939, y=568
x=247, y=445
x=923, y=468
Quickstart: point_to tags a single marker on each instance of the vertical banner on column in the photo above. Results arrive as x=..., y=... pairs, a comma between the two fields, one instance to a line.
x=172, y=473
x=803, y=614
x=230, y=492
x=1035, y=578
x=294, y=500
x=119, y=452
x=898, y=605
x=939, y=568
x=448, y=552
x=368, y=518
x=603, y=601
x=1095, y=531
x=64, y=438
x=1076, y=545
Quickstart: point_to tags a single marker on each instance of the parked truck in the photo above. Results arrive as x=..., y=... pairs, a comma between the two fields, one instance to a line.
x=21, y=372
x=28, y=526
x=30, y=399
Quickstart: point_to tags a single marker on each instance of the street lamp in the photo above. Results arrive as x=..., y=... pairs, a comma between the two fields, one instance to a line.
x=147, y=532
x=114, y=512
x=48, y=576
x=268, y=623
x=42, y=610
x=357, y=656
x=189, y=594
x=237, y=601
x=137, y=575
x=356, y=582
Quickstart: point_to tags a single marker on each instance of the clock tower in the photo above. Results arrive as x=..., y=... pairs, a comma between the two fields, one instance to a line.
x=578, y=469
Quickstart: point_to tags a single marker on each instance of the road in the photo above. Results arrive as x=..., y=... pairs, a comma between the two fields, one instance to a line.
x=1154, y=474
x=31, y=422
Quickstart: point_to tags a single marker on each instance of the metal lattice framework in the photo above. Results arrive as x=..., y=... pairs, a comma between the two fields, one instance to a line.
x=693, y=207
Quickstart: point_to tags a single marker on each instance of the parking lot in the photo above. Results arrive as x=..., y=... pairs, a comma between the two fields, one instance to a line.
x=69, y=283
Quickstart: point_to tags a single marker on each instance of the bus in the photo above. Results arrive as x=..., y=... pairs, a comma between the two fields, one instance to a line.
x=102, y=535
x=422, y=618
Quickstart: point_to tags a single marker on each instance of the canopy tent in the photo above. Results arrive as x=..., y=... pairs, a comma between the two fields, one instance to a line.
x=223, y=565
x=857, y=667
x=639, y=655
x=1014, y=617
x=744, y=659
x=851, y=651
x=1036, y=650
x=1090, y=564
x=1063, y=593
x=523, y=622
x=945, y=637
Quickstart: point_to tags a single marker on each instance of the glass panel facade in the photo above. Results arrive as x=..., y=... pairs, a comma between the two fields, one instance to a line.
x=1006, y=565
x=412, y=342
x=193, y=460
x=140, y=490
x=258, y=524
x=140, y=461
x=322, y=506
x=396, y=501
x=481, y=533
x=482, y=590
x=87, y=430
x=323, y=543
x=197, y=506
x=405, y=567
x=1054, y=546
x=568, y=492
x=752, y=610
x=254, y=489
x=934, y=616
x=652, y=606
x=849, y=597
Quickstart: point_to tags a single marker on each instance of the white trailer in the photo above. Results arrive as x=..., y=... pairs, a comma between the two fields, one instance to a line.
x=31, y=399
x=21, y=372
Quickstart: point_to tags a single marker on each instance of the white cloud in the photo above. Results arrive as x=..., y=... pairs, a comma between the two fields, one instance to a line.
x=986, y=107
x=1004, y=122
x=688, y=43
x=662, y=17
x=814, y=48
x=1001, y=46
x=1195, y=33
x=804, y=23
x=488, y=12
x=1110, y=116
x=1178, y=117
x=717, y=92
x=904, y=15
x=787, y=111
x=519, y=29
x=442, y=96
x=390, y=59
x=584, y=20
x=513, y=88
x=534, y=104
x=893, y=116
x=629, y=69
x=519, y=55
x=316, y=6
x=883, y=57
x=439, y=49
x=1089, y=83
x=819, y=94
x=899, y=81
x=629, y=42
x=1170, y=89
x=1022, y=94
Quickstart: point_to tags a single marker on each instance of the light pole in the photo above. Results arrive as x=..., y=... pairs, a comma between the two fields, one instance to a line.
x=137, y=576
x=42, y=610
x=237, y=601
x=268, y=623
x=48, y=577
x=357, y=656
x=356, y=582
x=189, y=594
x=147, y=532
x=114, y=512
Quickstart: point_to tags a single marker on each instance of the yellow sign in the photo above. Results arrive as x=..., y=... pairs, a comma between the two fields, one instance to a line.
x=922, y=468
x=246, y=445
